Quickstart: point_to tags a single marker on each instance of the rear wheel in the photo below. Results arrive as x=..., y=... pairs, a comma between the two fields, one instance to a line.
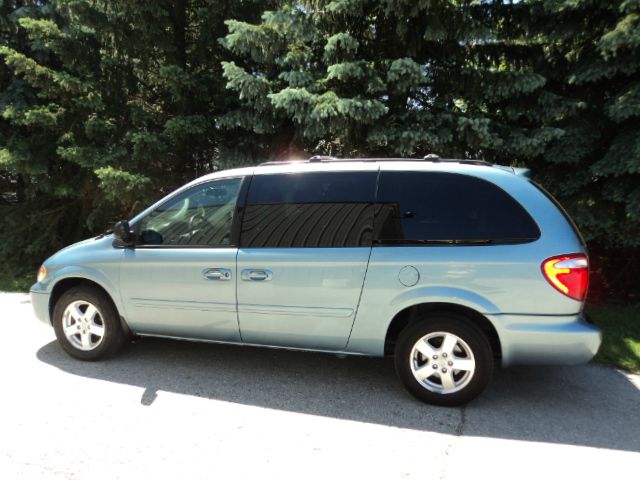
x=444, y=360
x=87, y=324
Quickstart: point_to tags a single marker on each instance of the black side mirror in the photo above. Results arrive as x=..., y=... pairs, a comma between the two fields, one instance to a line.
x=122, y=231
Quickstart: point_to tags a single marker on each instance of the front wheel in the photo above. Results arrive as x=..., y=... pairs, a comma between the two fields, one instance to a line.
x=444, y=360
x=87, y=324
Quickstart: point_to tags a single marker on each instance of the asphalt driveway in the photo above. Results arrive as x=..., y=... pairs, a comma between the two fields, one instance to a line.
x=169, y=409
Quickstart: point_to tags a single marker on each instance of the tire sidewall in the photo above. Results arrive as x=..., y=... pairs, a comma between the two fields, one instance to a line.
x=112, y=339
x=475, y=339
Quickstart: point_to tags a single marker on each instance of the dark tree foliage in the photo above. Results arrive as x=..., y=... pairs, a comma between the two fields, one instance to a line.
x=588, y=53
x=550, y=85
x=107, y=105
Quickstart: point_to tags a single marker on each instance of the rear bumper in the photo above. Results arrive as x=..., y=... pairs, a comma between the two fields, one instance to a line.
x=548, y=339
x=40, y=303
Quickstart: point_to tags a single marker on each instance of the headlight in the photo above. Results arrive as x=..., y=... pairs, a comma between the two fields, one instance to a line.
x=42, y=274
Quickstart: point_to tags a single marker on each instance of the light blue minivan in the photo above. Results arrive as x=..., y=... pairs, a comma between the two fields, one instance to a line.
x=451, y=266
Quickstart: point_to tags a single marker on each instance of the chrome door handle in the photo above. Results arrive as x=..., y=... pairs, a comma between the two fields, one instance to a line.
x=221, y=274
x=256, y=275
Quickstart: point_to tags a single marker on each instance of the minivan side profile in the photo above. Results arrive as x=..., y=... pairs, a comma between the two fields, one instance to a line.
x=449, y=266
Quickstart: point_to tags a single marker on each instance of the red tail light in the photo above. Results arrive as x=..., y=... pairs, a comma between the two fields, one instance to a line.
x=569, y=274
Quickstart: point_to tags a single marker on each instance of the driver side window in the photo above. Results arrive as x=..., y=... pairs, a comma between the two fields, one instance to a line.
x=201, y=216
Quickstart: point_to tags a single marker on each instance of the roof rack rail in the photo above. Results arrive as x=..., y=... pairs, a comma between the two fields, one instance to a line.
x=322, y=158
x=313, y=159
x=283, y=162
x=432, y=157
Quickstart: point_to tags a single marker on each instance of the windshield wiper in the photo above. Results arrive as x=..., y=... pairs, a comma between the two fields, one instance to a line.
x=104, y=234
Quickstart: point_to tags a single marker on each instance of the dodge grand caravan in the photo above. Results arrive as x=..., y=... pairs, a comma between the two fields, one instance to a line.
x=450, y=266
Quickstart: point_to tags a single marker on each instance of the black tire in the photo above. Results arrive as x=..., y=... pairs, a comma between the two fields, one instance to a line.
x=107, y=317
x=468, y=385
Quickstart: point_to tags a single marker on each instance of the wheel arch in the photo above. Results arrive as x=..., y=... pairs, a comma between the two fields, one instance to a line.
x=410, y=315
x=65, y=284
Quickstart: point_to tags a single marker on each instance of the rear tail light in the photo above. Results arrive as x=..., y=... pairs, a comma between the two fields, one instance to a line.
x=569, y=274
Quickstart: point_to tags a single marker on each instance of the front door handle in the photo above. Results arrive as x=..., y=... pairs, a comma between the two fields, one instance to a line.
x=256, y=275
x=222, y=274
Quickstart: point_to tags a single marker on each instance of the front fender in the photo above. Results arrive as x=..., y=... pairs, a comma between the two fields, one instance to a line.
x=91, y=274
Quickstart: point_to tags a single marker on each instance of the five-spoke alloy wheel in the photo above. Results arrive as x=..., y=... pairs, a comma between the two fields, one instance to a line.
x=442, y=362
x=87, y=324
x=83, y=325
x=444, y=359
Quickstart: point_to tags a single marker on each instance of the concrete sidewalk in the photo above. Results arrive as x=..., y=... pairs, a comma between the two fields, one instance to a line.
x=168, y=409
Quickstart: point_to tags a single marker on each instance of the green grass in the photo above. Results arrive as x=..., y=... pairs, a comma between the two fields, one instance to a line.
x=621, y=335
x=16, y=282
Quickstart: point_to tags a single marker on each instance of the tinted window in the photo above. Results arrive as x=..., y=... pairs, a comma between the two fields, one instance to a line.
x=200, y=216
x=320, y=209
x=415, y=207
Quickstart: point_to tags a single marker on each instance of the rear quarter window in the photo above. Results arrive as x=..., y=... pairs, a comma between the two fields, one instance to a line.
x=447, y=208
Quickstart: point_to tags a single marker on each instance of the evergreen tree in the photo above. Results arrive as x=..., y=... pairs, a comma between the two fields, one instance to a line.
x=551, y=85
x=105, y=106
x=376, y=77
x=589, y=54
x=31, y=217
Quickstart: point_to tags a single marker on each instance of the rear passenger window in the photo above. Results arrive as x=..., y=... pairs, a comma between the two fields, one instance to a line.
x=319, y=209
x=435, y=207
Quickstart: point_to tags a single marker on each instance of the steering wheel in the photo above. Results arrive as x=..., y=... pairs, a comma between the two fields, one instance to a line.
x=197, y=221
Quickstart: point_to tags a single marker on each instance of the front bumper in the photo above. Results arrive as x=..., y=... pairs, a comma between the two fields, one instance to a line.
x=546, y=339
x=40, y=303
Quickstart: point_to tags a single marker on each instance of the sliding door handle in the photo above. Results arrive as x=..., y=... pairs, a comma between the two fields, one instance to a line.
x=256, y=275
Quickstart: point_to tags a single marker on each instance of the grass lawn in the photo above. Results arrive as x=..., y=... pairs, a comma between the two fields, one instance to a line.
x=621, y=335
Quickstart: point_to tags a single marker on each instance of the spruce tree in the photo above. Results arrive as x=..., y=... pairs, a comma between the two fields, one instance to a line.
x=550, y=85
x=588, y=53
x=105, y=107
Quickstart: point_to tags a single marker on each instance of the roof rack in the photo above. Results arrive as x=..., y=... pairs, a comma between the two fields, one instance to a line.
x=432, y=157
x=283, y=162
x=323, y=158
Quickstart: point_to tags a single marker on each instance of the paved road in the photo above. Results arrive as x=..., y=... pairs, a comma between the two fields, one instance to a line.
x=166, y=409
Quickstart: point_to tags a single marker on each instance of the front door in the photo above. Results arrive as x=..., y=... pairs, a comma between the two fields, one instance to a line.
x=180, y=279
x=304, y=246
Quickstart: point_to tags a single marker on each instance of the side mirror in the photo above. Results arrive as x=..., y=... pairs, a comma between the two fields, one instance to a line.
x=122, y=231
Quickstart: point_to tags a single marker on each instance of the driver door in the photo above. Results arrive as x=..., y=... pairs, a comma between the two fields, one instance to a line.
x=179, y=280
